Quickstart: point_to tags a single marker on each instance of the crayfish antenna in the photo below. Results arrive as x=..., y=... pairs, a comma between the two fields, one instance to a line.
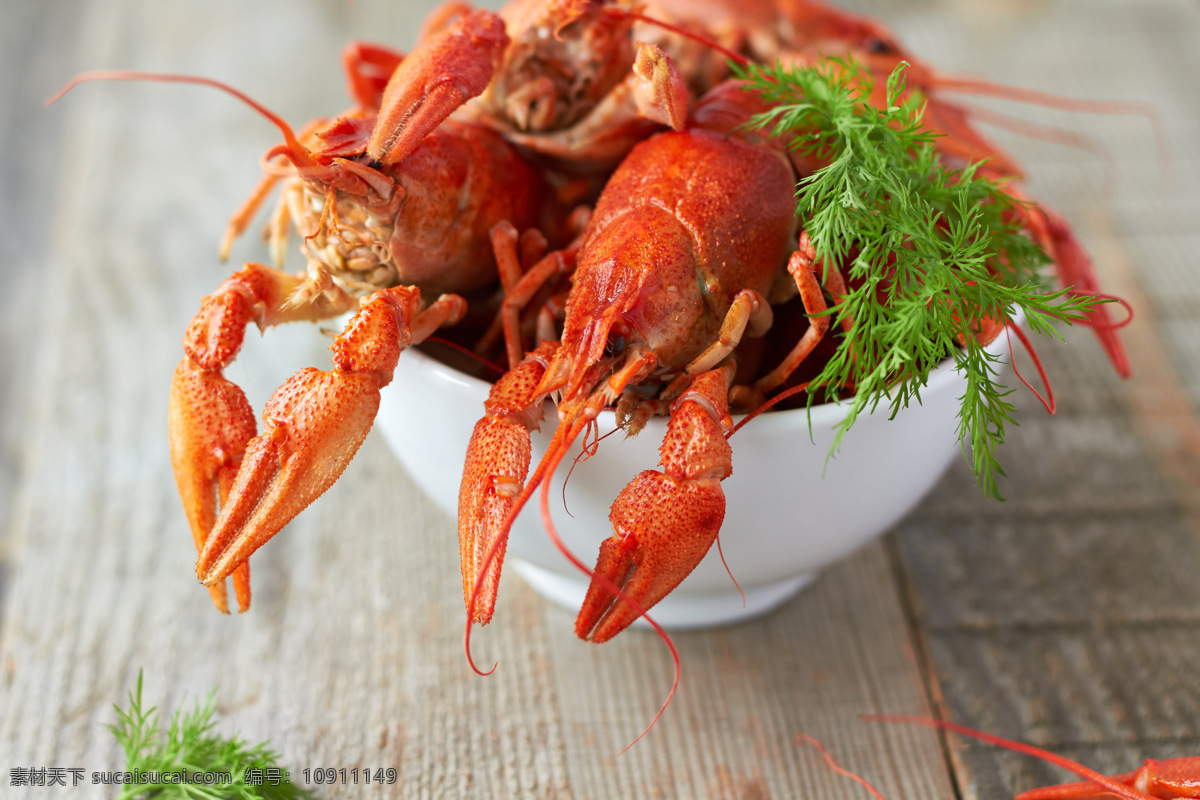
x=770, y=403
x=1168, y=778
x=289, y=135
x=969, y=84
x=1047, y=133
x=812, y=741
x=729, y=572
x=1047, y=401
x=1076, y=272
x=734, y=56
x=340, y=174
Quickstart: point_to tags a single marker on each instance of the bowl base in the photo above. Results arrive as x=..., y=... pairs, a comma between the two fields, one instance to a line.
x=677, y=611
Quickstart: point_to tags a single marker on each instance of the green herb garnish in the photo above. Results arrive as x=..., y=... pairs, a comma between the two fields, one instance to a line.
x=192, y=761
x=931, y=253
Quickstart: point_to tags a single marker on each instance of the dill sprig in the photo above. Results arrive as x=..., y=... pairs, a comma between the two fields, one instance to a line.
x=182, y=765
x=930, y=253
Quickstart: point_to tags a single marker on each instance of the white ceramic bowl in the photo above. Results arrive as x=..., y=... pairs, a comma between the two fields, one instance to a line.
x=790, y=511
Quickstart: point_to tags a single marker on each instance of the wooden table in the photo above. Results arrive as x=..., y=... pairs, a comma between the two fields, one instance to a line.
x=1068, y=616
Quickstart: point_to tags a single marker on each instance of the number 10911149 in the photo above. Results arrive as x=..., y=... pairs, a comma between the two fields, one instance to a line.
x=324, y=775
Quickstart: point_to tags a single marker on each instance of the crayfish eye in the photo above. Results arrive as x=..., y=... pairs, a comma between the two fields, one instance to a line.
x=879, y=47
x=615, y=345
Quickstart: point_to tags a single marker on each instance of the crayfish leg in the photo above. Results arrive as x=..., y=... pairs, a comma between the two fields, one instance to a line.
x=521, y=285
x=803, y=268
x=749, y=314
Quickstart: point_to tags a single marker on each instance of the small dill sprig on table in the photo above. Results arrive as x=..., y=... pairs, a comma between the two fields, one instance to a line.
x=174, y=766
x=930, y=253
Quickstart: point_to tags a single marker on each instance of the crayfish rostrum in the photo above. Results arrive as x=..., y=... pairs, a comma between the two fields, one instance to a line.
x=576, y=183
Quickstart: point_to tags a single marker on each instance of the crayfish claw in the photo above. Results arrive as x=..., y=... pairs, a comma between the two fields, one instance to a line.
x=494, y=473
x=219, y=592
x=448, y=68
x=210, y=423
x=660, y=91
x=663, y=528
x=484, y=502
x=664, y=522
x=313, y=425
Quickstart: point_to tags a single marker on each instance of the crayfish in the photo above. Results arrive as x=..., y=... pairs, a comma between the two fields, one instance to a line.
x=575, y=182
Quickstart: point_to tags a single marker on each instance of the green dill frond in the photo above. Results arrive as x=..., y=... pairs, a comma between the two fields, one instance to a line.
x=182, y=764
x=930, y=253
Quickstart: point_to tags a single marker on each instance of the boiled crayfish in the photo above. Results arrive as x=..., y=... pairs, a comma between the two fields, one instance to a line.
x=578, y=173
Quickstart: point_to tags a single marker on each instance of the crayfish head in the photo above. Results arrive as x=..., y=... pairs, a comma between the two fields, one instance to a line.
x=636, y=292
x=564, y=57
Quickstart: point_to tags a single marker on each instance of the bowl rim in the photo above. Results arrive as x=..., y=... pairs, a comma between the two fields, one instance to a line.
x=825, y=414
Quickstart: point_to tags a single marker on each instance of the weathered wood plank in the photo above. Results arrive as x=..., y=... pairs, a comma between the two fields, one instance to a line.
x=1060, y=466
x=32, y=42
x=1128, y=569
x=1109, y=695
